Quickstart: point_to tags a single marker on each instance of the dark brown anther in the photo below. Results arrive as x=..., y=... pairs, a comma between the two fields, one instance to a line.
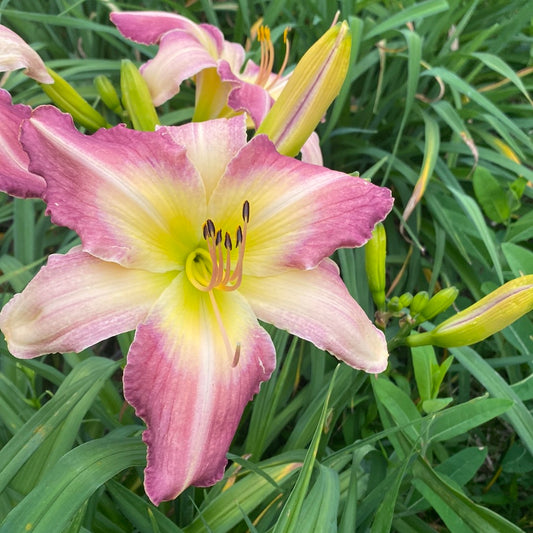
x=246, y=211
x=227, y=241
x=210, y=225
x=218, y=238
x=238, y=237
x=204, y=231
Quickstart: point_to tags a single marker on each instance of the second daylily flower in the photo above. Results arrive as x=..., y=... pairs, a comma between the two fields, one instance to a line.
x=187, y=49
x=189, y=234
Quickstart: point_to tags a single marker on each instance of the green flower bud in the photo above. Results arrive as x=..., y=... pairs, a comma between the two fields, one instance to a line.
x=491, y=314
x=375, y=254
x=108, y=94
x=405, y=299
x=439, y=303
x=394, y=305
x=136, y=98
x=420, y=300
x=70, y=101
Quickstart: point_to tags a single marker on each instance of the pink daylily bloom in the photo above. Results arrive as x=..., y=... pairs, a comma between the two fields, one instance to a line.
x=15, y=53
x=187, y=49
x=15, y=178
x=189, y=235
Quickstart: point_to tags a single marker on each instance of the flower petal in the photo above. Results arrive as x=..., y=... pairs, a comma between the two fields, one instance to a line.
x=15, y=53
x=180, y=56
x=316, y=306
x=311, y=152
x=147, y=27
x=75, y=301
x=179, y=352
x=299, y=213
x=15, y=178
x=128, y=194
x=210, y=145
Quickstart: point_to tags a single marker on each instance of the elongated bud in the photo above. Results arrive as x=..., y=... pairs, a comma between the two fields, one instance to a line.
x=314, y=84
x=491, y=314
x=419, y=301
x=70, y=101
x=108, y=93
x=136, y=98
x=438, y=303
x=375, y=255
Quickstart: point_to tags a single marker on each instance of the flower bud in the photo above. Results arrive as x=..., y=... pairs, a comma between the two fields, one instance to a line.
x=108, y=94
x=394, y=304
x=405, y=299
x=438, y=303
x=70, y=101
x=136, y=98
x=314, y=84
x=375, y=254
x=420, y=300
x=491, y=314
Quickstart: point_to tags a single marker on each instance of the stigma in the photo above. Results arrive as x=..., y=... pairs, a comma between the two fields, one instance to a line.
x=267, y=57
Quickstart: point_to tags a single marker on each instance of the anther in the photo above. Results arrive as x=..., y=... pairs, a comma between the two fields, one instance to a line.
x=227, y=241
x=246, y=211
x=210, y=225
x=218, y=238
x=238, y=237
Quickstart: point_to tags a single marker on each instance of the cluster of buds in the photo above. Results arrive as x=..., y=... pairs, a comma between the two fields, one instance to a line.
x=489, y=315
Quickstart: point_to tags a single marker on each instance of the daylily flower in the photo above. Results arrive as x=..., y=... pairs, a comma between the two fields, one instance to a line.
x=187, y=49
x=15, y=178
x=15, y=53
x=189, y=235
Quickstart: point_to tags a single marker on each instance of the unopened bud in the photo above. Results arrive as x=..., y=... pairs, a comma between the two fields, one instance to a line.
x=394, y=304
x=439, y=303
x=375, y=255
x=420, y=300
x=70, y=101
x=491, y=314
x=136, y=98
x=314, y=84
x=108, y=93
x=405, y=299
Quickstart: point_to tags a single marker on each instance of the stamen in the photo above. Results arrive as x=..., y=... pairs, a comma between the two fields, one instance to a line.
x=286, y=42
x=267, y=55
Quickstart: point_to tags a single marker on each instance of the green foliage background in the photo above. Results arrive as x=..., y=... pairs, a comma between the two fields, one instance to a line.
x=437, y=96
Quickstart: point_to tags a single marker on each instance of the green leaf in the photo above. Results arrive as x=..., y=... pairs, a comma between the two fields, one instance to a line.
x=66, y=486
x=290, y=514
x=319, y=511
x=519, y=259
x=462, y=418
x=490, y=195
x=139, y=512
x=71, y=401
x=458, y=512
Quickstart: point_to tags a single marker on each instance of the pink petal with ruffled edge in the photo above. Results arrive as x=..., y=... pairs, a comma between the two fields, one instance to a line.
x=75, y=301
x=15, y=178
x=299, y=213
x=180, y=56
x=15, y=53
x=133, y=197
x=147, y=27
x=178, y=352
x=316, y=306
